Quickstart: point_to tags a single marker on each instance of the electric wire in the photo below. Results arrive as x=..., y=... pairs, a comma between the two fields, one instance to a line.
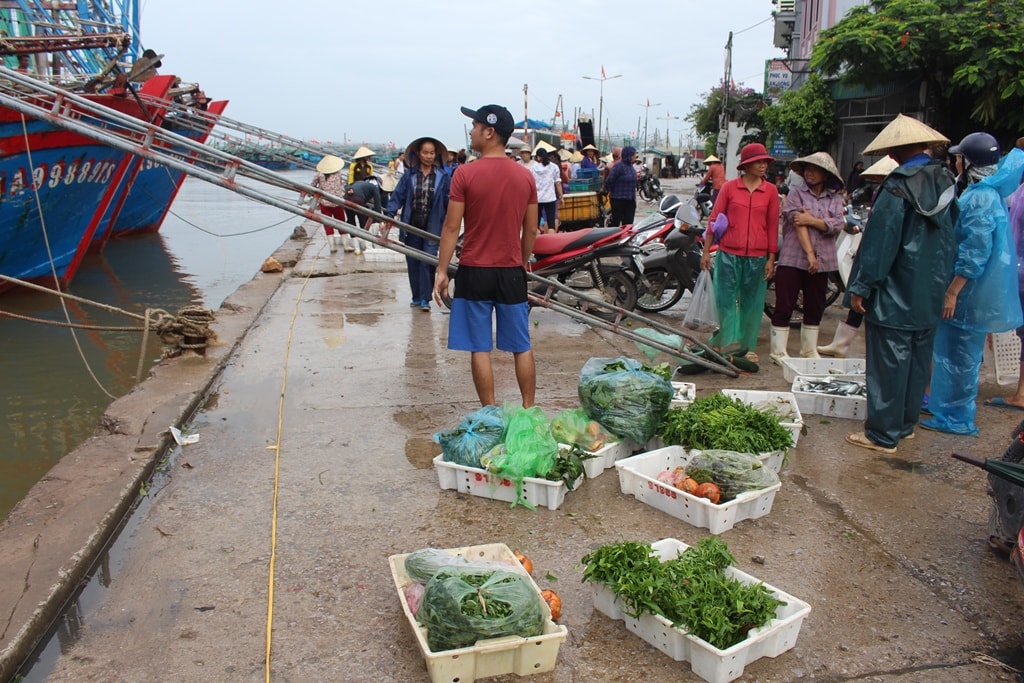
x=53, y=266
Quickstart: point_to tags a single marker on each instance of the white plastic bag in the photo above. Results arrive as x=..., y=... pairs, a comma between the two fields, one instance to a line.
x=702, y=315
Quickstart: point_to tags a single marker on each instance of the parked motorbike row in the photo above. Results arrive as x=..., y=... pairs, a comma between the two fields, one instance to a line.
x=646, y=266
x=649, y=266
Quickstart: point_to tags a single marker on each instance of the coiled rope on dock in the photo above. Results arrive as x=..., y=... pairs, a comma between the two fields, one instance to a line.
x=188, y=330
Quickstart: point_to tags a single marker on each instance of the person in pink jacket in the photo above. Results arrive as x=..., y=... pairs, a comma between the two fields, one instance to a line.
x=745, y=224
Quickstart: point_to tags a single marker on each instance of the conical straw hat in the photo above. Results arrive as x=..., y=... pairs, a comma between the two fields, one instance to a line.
x=544, y=145
x=363, y=153
x=712, y=159
x=880, y=168
x=904, y=130
x=822, y=160
x=576, y=158
x=330, y=164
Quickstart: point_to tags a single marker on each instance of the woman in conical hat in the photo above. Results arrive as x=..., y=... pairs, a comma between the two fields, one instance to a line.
x=421, y=200
x=330, y=179
x=812, y=216
x=361, y=168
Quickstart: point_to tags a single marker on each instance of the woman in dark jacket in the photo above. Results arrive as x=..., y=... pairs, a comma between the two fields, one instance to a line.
x=421, y=200
x=621, y=188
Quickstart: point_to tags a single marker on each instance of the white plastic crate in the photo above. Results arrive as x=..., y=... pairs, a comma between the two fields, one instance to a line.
x=605, y=457
x=683, y=394
x=1006, y=356
x=782, y=403
x=848, y=407
x=381, y=255
x=638, y=478
x=706, y=660
x=479, y=482
x=791, y=367
x=507, y=655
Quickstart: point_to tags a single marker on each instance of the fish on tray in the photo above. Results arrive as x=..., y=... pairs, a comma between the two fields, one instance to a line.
x=834, y=387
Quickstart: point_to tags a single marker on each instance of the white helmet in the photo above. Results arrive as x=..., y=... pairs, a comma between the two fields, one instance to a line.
x=668, y=205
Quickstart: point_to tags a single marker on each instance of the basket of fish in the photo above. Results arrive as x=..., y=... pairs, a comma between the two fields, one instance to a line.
x=832, y=395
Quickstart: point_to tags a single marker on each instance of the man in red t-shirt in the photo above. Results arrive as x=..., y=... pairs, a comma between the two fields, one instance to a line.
x=497, y=199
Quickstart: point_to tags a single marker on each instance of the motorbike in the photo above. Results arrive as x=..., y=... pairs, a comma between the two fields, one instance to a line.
x=669, y=272
x=702, y=199
x=599, y=262
x=649, y=234
x=649, y=185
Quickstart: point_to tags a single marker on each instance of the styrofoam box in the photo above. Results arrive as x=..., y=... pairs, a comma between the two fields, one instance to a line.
x=706, y=660
x=849, y=407
x=479, y=482
x=791, y=367
x=605, y=457
x=794, y=422
x=638, y=478
x=383, y=255
x=683, y=394
x=507, y=655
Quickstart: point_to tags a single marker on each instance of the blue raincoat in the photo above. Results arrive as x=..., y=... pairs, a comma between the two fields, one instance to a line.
x=986, y=254
x=988, y=302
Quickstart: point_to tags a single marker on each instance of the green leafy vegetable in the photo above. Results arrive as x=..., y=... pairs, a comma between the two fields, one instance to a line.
x=569, y=466
x=690, y=590
x=719, y=422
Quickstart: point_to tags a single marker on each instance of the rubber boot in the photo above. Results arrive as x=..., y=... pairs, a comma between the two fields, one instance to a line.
x=845, y=334
x=779, y=341
x=332, y=242
x=809, y=341
x=347, y=243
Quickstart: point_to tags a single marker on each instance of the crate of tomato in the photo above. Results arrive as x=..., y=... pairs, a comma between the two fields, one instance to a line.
x=709, y=489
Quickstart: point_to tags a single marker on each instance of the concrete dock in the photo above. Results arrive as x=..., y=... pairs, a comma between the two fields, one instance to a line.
x=324, y=393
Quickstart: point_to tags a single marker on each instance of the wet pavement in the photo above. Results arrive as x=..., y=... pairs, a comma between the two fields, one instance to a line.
x=889, y=550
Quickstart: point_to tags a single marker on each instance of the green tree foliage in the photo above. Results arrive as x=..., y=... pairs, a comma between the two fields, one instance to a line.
x=745, y=105
x=804, y=118
x=969, y=52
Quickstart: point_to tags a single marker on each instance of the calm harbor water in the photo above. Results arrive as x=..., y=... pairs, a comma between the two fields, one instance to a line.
x=213, y=241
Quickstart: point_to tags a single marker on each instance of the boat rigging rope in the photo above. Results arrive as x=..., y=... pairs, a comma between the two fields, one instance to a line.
x=277, y=469
x=53, y=266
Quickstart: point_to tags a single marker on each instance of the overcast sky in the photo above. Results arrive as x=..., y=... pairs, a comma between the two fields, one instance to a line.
x=390, y=71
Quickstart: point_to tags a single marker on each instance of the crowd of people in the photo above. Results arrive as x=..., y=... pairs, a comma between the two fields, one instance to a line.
x=940, y=264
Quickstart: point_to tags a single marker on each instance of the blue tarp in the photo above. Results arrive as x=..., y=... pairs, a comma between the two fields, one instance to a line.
x=536, y=124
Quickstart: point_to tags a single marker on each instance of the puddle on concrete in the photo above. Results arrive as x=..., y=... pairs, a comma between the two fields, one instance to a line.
x=903, y=465
x=420, y=451
x=364, y=319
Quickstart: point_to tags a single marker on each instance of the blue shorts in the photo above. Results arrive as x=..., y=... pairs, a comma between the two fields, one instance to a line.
x=486, y=294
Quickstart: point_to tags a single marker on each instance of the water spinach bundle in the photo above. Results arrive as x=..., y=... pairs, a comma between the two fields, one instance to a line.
x=691, y=590
x=723, y=423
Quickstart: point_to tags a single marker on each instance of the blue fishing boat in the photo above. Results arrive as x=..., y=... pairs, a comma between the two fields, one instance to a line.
x=62, y=193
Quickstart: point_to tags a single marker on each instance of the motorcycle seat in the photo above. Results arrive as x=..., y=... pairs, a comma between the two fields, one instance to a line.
x=556, y=243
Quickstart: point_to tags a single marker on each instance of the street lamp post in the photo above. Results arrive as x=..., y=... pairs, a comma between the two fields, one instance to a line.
x=647, y=111
x=600, y=102
x=668, y=117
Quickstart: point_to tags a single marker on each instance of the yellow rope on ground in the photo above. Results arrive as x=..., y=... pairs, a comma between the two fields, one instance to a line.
x=277, y=472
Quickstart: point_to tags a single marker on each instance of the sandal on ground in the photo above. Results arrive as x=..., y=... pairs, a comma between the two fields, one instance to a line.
x=1000, y=545
x=861, y=439
x=752, y=357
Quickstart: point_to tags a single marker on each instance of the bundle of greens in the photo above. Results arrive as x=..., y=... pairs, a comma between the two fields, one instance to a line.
x=691, y=590
x=625, y=396
x=723, y=423
x=463, y=605
x=569, y=466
